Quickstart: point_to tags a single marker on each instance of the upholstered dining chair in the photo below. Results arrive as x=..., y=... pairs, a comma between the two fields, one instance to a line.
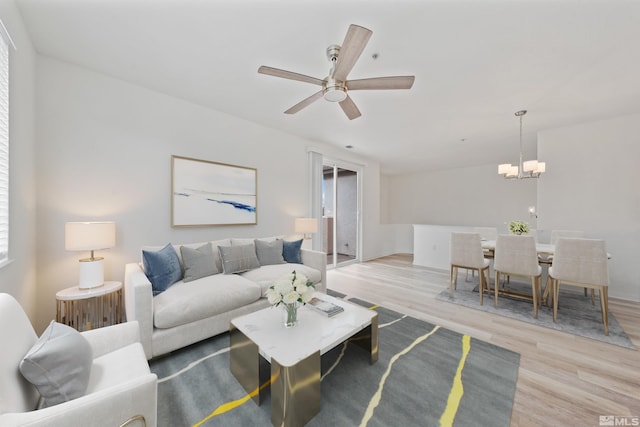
x=558, y=234
x=466, y=252
x=582, y=263
x=517, y=256
x=555, y=235
x=548, y=259
x=487, y=233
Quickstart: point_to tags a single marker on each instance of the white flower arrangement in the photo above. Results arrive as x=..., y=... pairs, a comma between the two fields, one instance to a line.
x=290, y=289
x=518, y=227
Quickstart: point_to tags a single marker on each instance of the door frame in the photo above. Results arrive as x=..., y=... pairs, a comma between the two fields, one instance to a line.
x=358, y=169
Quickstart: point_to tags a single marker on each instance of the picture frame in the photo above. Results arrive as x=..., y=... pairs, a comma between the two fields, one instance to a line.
x=206, y=193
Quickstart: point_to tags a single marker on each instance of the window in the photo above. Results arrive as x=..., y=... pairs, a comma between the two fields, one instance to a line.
x=5, y=42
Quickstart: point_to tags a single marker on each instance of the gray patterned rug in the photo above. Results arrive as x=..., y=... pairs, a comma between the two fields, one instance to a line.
x=425, y=375
x=576, y=315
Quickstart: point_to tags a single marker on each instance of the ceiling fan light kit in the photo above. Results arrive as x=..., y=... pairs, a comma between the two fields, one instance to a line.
x=335, y=87
x=333, y=91
x=528, y=169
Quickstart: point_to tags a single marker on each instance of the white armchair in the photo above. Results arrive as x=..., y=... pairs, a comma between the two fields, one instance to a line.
x=121, y=390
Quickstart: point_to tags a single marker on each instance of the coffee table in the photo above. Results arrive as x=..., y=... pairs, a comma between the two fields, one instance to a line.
x=294, y=353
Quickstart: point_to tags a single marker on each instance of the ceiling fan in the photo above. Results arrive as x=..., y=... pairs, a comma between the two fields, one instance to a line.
x=336, y=87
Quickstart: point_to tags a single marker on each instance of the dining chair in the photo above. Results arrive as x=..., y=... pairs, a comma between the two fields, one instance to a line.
x=558, y=234
x=548, y=259
x=517, y=256
x=465, y=251
x=581, y=263
x=486, y=233
x=555, y=235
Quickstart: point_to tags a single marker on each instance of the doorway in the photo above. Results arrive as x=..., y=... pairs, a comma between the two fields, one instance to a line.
x=340, y=214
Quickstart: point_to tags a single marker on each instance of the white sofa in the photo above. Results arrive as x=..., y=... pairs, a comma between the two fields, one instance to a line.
x=188, y=312
x=121, y=389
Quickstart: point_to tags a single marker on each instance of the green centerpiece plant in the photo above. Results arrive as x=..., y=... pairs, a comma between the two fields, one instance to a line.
x=518, y=227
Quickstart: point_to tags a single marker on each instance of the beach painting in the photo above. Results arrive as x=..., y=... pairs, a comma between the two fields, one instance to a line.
x=210, y=193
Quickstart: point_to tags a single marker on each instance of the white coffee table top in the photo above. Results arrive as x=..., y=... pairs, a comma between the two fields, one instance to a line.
x=313, y=332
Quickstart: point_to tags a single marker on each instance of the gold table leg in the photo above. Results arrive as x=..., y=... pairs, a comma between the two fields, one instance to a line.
x=368, y=339
x=244, y=362
x=295, y=391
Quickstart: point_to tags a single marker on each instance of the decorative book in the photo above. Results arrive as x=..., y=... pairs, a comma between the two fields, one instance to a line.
x=327, y=308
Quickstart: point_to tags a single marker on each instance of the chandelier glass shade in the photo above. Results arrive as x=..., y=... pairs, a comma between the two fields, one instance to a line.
x=524, y=169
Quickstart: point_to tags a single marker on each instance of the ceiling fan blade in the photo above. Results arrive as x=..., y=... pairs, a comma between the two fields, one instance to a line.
x=276, y=72
x=382, y=83
x=349, y=108
x=304, y=103
x=351, y=49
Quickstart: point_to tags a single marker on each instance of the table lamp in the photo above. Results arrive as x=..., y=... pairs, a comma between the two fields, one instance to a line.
x=90, y=236
x=306, y=226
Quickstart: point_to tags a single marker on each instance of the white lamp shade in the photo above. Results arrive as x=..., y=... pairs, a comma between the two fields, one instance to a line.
x=504, y=168
x=513, y=171
x=306, y=225
x=89, y=236
x=530, y=165
x=541, y=167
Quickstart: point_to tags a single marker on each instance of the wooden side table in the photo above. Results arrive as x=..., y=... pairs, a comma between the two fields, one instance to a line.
x=85, y=309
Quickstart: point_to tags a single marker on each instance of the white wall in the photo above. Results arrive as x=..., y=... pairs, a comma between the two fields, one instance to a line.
x=592, y=183
x=18, y=278
x=104, y=153
x=475, y=196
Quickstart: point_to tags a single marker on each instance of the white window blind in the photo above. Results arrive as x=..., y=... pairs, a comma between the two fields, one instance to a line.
x=4, y=144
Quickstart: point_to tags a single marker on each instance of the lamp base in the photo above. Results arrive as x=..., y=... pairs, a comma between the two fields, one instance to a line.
x=91, y=273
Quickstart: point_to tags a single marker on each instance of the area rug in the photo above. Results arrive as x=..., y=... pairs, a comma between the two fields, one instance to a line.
x=425, y=375
x=576, y=315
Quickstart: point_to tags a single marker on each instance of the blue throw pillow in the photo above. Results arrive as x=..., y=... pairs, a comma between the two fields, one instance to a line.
x=291, y=251
x=162, y=268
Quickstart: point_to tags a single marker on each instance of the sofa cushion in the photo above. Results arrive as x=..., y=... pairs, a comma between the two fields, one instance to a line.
x=269, y=252
x=214, y=246
x=236, y=259
x=266, y=275
x=241, y=242
x=59, y=364
x=216, y=253
x=198, y=262
x=291, y=251
x=162, y=268
x=188, y=302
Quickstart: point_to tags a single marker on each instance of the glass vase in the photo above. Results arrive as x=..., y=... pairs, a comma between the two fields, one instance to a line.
x=290, y=314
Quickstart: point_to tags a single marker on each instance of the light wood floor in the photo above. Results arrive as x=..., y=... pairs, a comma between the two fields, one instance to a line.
x=564, y=380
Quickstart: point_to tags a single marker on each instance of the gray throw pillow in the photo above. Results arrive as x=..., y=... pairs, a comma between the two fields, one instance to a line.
x=269, y=253
x=59, y=364
x=236, y=259
x=198, y=262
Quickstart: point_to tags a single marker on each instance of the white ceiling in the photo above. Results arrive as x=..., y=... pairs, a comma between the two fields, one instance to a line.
x=476, y=62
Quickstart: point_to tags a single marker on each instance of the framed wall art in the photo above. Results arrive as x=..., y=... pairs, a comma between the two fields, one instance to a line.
x=210, y=193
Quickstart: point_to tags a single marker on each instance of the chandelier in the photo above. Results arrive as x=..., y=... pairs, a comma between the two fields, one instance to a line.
x=528, y=169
